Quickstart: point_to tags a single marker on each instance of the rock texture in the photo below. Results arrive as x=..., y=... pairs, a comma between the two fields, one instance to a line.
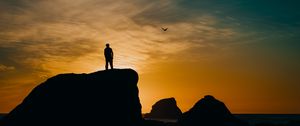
x=209, y=112
x=165, y=109
x=105, y=97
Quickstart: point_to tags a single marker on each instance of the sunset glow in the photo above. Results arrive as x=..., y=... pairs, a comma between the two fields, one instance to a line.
x=245, y=53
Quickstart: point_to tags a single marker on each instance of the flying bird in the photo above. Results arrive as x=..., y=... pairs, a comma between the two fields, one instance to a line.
x=164, y=29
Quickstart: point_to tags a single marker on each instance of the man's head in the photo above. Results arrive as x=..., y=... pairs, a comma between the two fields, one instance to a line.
x=107, y=45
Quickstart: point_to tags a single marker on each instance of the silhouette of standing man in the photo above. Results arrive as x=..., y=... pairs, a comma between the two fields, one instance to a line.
x=108, y=53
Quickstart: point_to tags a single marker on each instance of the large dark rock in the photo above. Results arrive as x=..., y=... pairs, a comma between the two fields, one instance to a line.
x=209, y=112
x=165, y=109
x=105, y=97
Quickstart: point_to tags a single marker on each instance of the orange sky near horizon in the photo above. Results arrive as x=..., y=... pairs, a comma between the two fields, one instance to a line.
x=244, y=53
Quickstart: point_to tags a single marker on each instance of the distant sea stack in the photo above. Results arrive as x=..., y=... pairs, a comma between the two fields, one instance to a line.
x=165, y=109
x=102, y=98
x=209, y=111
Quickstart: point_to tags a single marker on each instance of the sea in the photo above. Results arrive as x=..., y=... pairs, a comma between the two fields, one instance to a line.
x=257, y=119
x=261, y=119
x=271, y=119
x=1, y=115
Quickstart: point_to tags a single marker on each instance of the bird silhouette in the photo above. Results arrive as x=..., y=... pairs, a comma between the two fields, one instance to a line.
x=164, y=29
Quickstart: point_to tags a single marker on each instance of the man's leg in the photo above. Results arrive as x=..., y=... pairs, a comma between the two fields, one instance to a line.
x=106, y=64
x=111, y=64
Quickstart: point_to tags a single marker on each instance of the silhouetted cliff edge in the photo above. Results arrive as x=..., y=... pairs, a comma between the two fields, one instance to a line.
x=105, y=97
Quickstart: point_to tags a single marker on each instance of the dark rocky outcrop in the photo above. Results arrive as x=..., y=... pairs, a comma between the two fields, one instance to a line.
x=209, y=112
x=105, y=97
x=165, y=109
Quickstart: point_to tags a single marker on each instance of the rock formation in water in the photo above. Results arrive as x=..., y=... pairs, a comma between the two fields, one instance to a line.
x=209, y=111
x=165, y=109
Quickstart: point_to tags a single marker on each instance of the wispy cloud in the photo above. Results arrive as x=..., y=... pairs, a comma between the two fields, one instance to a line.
x=4, y=68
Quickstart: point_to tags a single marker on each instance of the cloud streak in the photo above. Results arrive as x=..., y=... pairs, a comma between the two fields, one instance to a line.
x=4, y=68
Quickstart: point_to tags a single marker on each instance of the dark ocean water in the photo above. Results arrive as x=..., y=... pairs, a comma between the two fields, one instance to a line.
x=254, y=119
x=275, y=119
x=1, y=116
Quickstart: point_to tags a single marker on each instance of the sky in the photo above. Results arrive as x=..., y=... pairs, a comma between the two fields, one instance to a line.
x=245, y=53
